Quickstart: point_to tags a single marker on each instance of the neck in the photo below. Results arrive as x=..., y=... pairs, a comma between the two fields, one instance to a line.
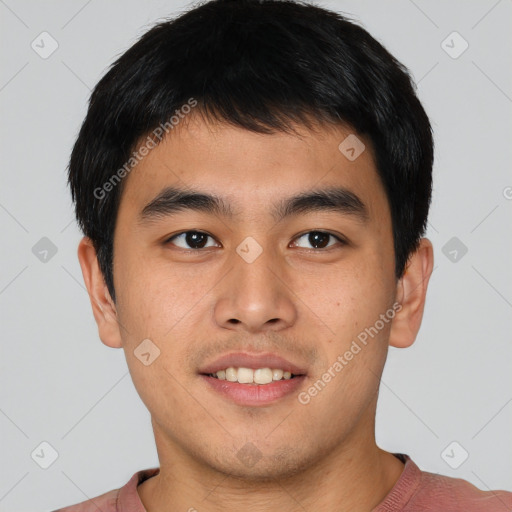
x=354, y=477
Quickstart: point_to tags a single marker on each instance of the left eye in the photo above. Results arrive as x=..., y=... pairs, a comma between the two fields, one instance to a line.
x=319, y=238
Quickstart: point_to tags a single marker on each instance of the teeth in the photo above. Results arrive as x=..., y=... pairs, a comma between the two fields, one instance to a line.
x=277, y=374
x=250, y=376
x=245, y=375
x=231, y=374
x=262, y=375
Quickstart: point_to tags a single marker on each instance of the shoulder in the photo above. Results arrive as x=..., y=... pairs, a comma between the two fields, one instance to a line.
x=456, y=494
x=114, y=500
x=422, y=491
x=124, y=498
x=106, y=503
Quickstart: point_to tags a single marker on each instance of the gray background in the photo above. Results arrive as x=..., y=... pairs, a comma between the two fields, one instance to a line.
x=61, y=385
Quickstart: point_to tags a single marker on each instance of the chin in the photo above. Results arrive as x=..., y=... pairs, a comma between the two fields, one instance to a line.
x=250, y=466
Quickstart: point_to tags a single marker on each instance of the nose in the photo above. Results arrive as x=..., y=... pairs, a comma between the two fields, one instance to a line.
x=255, y=296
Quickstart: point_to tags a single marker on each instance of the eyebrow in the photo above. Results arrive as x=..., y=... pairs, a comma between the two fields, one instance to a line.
x=172, y=200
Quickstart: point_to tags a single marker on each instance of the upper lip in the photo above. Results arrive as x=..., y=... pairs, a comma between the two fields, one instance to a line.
x=252, y=360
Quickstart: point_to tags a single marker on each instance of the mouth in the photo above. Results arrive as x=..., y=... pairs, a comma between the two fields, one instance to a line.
x=253, y=379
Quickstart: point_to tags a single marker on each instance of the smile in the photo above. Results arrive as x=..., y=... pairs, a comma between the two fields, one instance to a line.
x=260, y=376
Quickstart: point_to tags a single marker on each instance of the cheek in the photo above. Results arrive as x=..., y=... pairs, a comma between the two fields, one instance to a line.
x=359, y=338
x=352, y=298
x=346, y=384
x=153, y=295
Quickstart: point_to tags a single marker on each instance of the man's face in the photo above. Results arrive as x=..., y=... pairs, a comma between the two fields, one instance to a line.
x=255, y=283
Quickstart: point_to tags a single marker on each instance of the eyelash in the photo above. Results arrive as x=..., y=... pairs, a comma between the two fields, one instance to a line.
x=340, y=240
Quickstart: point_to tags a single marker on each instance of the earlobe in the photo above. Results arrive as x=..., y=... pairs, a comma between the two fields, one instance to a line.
x=411, y=294
x=103, y=307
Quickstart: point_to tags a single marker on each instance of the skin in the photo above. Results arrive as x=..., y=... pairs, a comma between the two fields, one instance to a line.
x=308, y=304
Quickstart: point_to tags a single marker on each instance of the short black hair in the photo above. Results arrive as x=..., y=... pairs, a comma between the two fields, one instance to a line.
x=263, y=65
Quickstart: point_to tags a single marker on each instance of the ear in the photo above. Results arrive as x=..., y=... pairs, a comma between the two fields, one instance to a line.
x=410, y=293
x=103, y=306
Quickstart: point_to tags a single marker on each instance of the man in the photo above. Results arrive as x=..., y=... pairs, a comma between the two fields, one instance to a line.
x=253, y=180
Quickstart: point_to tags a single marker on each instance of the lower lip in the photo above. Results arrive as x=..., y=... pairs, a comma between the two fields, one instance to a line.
x=255, y=394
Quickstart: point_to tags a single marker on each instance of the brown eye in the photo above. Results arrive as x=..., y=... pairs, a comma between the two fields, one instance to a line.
x=194, y=240
x=319, y=239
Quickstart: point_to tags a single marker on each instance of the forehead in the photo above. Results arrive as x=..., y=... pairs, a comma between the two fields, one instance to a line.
x=252, y=170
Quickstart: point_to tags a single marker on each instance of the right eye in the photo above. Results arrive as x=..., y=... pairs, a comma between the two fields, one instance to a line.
x=195, y=239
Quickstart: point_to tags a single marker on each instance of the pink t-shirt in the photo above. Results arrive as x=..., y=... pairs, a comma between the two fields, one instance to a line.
x=415, y=491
